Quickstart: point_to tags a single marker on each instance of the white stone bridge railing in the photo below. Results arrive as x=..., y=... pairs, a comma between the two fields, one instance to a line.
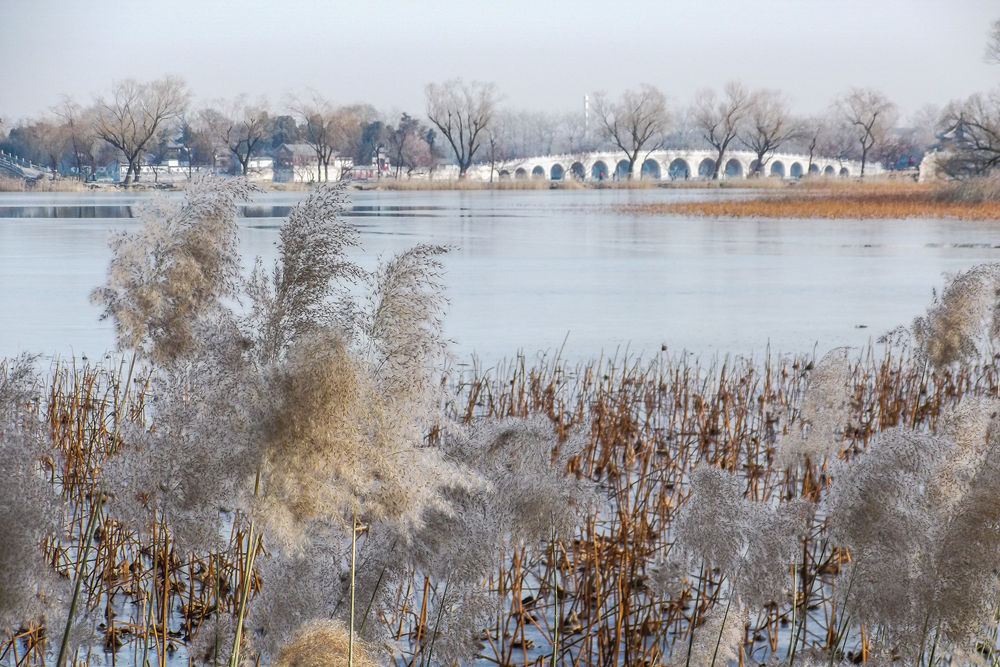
x=16, y=166
x=665, y=165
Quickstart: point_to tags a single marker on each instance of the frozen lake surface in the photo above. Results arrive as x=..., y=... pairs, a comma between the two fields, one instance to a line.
x=531, y=269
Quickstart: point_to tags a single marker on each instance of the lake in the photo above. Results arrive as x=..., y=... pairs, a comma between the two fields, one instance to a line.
x=534, y=271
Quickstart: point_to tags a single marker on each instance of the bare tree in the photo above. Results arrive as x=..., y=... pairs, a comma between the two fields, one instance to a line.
x=720, y=120
x=239, y=126
x=415, y=154
x=134, y=113
x=972, y=130
x=499, y=143
x=408, y=149
x=332, y=130
x=572, y=134
x=993, y=43
x=638, y=120
x=870, y=115
x=462, y=112
x=813, y=133
x=78, y=128
x=925, y=122
x=349, y=124
x=197, y=143
x=901, y=149
x=53, y=142
x=320, y=131
x=769, y=125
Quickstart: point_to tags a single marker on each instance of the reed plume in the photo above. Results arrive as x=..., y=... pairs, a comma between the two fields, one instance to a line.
x=824, y=411
x=322, y=644
x=920, y=515
x=963, y=320
x=309, y=285
x=751, y=542
x=30, y=508
x=310, y=408
x=297, y=586
x=176, y=270
x=718, y=641
x=195, y=464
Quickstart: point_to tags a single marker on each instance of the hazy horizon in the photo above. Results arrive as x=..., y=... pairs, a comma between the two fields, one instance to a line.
x=542, y=56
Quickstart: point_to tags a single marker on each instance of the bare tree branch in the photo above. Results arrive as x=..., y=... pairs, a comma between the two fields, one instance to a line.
x=769, y=125
x=462, y=112
x=638, y=120
x=870, y=115
x=135, y=112
x=721, y=120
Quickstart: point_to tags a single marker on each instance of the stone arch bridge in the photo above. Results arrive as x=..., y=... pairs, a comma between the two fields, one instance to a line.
x=664, y=165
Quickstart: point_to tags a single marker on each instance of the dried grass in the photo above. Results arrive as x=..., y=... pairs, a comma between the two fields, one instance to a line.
x=838, y=200
x=10, y=184
x=708, y=542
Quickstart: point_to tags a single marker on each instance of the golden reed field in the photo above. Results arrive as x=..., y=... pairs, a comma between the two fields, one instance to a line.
x=864, y=200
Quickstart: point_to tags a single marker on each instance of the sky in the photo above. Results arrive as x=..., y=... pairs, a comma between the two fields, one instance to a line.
x=543, y=55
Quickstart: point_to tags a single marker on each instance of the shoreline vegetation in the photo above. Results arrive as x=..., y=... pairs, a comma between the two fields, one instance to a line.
x=654, y=428
x=71, y=185
x=811, y=198
x=975, y=199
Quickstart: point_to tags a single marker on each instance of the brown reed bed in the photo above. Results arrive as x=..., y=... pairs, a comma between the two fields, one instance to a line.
x=9, y=184
x=648, y=425
x=832, y=200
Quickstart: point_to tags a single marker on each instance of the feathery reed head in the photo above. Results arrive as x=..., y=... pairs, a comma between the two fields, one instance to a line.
x=322, y=644
x=719, y=640
x=175, y=270
x=30, y=509
x=824, y=412
x=751, y=542
x=964, y=318
x=710, y=523
x=309, y=285
x=402, y=326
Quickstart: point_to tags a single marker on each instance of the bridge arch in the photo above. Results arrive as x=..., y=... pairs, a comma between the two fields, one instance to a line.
x=504, y=175
x=622, y=170
x=734, y=168
x=557, y=172
x=576, y=169
x=538, y=172
x=706, y=168
x=844, y=172
x=599, y=171
x=778, y=169
x=679, y=169
x=795, y=171
x=813, y=168
x=521, y=173
x=650, y=170
x=829, y=171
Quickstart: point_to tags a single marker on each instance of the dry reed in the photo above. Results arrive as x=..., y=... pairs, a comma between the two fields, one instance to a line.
x=869, y=200
x=651, y=426
x=10, y=184
x=792, y=555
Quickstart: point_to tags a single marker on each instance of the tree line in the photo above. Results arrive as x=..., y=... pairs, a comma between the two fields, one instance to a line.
x=138, y=122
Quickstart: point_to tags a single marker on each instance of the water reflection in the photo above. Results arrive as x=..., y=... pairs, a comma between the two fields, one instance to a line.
x=248, y=211
x=70, y=212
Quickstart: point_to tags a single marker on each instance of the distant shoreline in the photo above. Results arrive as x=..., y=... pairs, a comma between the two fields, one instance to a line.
x=71, y=185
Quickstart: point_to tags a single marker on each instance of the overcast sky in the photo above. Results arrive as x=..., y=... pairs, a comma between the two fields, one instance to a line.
x=542, y=54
